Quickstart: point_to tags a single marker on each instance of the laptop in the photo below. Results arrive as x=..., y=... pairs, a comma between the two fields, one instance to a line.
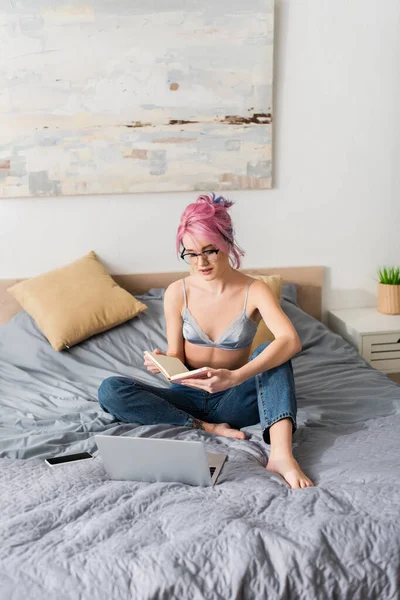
x=155, y=459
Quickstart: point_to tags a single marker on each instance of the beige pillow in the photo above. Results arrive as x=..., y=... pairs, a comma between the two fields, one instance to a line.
x=263, y=334
x=72, y=303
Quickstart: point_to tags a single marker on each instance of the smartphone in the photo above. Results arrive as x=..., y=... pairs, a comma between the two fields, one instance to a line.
x=66, y=458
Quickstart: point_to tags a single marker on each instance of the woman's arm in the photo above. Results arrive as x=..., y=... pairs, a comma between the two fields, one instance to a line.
x=284, y=346
x=173, y=301
x=286, y=343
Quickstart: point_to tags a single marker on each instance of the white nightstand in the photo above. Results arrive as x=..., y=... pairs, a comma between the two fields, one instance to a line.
x=375, y=335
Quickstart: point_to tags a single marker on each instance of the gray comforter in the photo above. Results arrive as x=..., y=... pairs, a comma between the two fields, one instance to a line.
x=71, y=533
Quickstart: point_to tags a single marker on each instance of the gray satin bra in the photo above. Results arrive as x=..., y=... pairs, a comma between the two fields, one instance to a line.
x=239, y=334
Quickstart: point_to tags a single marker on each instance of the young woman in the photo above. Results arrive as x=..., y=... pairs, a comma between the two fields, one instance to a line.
x=211, y=318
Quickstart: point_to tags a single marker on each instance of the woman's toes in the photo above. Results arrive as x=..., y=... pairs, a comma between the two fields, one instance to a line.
x=226, y=430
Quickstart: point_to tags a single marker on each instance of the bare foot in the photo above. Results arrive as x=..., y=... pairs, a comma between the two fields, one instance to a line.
x=289, y=468
x=224, y=429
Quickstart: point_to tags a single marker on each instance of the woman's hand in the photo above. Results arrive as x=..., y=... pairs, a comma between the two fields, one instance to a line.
x=217, y=380
x=150, y=365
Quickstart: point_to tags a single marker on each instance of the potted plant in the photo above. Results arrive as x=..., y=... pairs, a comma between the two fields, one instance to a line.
x=389, y=290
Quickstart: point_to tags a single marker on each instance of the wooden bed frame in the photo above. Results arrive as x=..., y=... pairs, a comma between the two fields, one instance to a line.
x=308, y=279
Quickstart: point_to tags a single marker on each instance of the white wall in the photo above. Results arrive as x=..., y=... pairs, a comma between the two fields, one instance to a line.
x=336, y=199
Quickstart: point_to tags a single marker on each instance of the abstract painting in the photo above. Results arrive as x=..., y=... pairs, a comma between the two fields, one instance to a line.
x=122, y=96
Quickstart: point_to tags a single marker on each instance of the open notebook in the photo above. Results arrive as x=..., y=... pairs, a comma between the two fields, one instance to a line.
x=173, y=369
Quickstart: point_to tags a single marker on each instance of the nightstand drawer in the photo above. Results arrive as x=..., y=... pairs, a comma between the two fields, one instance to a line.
x=382, y=351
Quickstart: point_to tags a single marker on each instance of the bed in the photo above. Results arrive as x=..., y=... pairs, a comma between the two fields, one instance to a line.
x=71, y=533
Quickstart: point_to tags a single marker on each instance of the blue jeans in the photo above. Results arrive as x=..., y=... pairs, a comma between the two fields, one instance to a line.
x=265, y=398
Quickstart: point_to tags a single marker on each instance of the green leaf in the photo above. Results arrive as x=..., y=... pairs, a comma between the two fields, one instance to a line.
x=389, y=275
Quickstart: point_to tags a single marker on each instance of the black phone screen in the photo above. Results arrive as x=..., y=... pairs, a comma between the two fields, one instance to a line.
x=68, y=458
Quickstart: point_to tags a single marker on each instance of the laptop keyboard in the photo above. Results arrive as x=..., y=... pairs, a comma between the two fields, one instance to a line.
x=212, y=470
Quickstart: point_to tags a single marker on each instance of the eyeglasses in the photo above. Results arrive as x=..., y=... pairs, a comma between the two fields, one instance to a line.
x=208, y=255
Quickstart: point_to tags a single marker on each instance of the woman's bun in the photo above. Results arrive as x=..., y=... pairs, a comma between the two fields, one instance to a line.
x=212, y=199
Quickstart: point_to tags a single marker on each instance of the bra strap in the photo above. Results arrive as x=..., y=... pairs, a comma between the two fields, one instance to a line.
x=184, y=292
x=247, y=294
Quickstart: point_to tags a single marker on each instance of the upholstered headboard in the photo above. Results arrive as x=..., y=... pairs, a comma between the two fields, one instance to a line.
x=308, y=280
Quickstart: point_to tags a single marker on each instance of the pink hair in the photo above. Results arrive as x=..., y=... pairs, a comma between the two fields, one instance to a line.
x=208, y=217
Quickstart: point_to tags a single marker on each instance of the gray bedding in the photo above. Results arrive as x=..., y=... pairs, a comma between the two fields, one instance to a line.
x=71, y=533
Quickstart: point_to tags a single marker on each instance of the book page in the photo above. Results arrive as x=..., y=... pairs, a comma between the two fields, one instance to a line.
x=201, y=373
x=169, y=364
